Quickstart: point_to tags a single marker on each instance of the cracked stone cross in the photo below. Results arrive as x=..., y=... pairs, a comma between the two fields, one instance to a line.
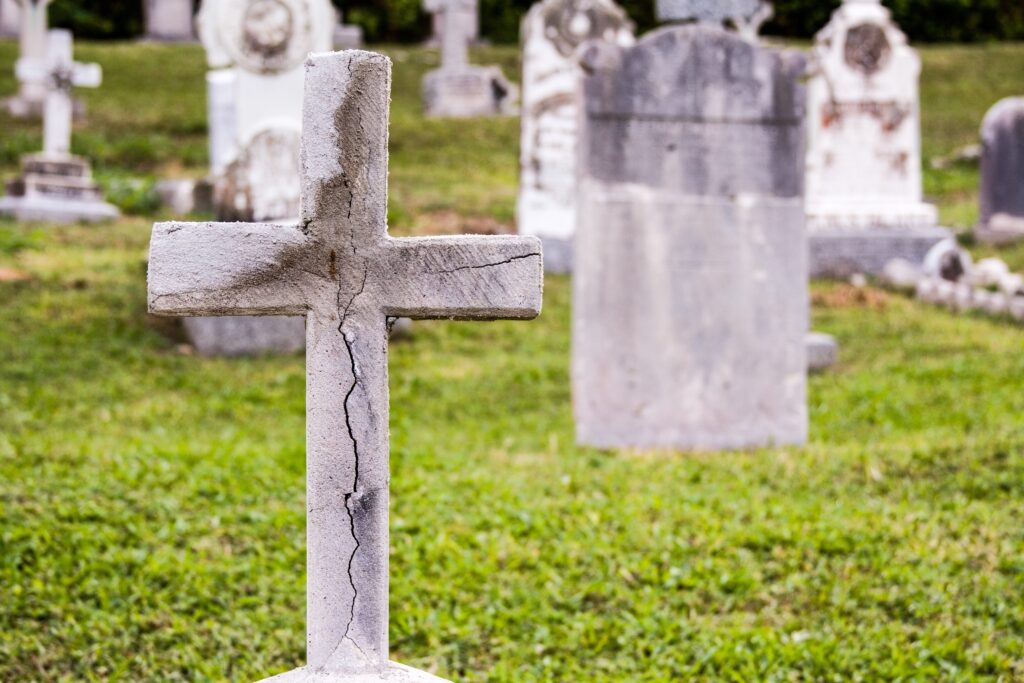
x=340, y=269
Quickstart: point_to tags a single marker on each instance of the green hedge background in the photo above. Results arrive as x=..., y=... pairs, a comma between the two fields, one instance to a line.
x=404, y=21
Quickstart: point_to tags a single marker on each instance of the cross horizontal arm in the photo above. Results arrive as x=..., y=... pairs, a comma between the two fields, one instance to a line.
x=464, y=278
x=227, y=269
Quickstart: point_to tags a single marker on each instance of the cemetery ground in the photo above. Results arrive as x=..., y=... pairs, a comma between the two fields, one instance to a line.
x=151, y=502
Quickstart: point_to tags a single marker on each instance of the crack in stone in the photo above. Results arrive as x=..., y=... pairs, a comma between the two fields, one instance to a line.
x=485, y=265
x=355, y=483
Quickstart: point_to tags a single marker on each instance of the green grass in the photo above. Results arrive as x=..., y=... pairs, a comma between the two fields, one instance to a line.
x=151, y=502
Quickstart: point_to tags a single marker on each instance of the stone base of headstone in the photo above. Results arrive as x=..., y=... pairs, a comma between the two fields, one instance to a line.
x=822, y=352
x=469, y=91
x=557, y=255
x=1002, y=229
x=245, y=335
x=56, y=189
x=840, y=253
x=396, y=673
x=348, y=37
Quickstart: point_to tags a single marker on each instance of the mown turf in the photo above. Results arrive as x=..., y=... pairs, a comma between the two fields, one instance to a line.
x=151, y=503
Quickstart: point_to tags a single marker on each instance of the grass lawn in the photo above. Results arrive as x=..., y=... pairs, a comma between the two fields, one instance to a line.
x=152, y=503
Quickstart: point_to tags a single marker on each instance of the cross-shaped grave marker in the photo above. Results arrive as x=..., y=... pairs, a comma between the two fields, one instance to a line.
x=340, y=269
x=59, y=74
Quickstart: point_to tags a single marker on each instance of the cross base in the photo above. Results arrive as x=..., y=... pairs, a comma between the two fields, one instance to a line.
x=396, y=673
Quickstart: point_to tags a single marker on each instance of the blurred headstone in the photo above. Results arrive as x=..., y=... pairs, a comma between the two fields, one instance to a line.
x=169, y=20
x=56, y=186
x=864, y=181
x=347, y=36
x=10, y=18
x=469, y=21
x=690, y=295
x=1002, y=173
x=553, y=31
x=458, y=88
x=254, y=100
x=32, y=44
x=341, y=269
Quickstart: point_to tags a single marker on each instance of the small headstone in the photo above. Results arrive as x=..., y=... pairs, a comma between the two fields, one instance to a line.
x=822, y=352
x=254, y=100
x=339, y=268
x=864, y=181
x=690, y=294
x=1002, y=173
x=459, y=89
x=552, y=32
x=56, y=186
x=32, y=44
x=168, y=20
x=10, y=18
x=469, y=20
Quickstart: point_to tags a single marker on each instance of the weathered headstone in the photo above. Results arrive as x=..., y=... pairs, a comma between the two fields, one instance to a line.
x=864, y=183
x=469, y=20
x=552, y=32
x=254, y=100
x=168, y=20
x=10, y=18
x=56, y=186
x=1002, y=173
x=690, y=296
x=459, y=89
x=746, y=16
x=32, y=42
x=339, y=268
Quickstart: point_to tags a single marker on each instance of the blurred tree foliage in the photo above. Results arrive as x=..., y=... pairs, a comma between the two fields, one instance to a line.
x=405, y=21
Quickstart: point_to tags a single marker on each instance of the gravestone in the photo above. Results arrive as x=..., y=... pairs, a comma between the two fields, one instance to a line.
x=10, y=19
x=339, y=268
x=690, y=295
x=32, y=43
x=552, y=32
x=459, y=89
x=469, y=20
x=864, y=183
x=254, y=100
x=1002, y=173
x=168, y=20
x=56, y=186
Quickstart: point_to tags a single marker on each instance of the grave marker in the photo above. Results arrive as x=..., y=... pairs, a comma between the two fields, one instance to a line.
x=552, y=32
x=10, y=19
x=469, y=20
x=168, y=20
x=339, y=268
x=690, y=301
x=459, y=89
x=32, y=42
x=56, y=186
x=1002, y=173
x=864, y=183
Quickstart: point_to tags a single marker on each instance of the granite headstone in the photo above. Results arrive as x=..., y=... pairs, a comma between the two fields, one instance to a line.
x=1002, y=173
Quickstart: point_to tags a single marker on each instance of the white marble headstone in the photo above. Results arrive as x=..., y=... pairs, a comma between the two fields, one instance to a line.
x=552, y=34
x=864, y=141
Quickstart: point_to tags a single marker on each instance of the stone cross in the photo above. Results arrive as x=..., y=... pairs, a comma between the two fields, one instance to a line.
x=745, y=15
x=340, y=269
x=59, y=73
x=455, y=38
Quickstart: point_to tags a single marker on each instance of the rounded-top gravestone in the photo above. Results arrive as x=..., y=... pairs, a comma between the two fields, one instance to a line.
x=1002, y=172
